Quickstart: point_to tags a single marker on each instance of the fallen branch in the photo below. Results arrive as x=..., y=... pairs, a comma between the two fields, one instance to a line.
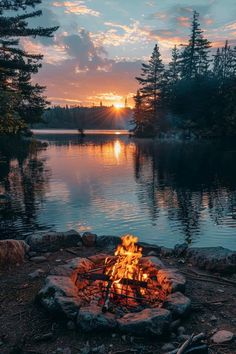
x=188, y=342
x=185, y=345
x=207, y=280
x=228, y=281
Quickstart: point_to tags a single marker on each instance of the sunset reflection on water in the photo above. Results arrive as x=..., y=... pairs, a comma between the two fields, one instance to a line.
x=161, y=192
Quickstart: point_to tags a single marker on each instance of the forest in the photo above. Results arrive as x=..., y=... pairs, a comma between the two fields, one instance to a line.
x=195, y=94
x=22, y=102
x=99, y=117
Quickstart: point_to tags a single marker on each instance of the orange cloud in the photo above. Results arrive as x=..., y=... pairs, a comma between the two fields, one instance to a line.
x=183, y=21
x=77, y=8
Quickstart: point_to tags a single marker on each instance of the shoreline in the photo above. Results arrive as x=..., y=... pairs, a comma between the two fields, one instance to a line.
x=212, y=297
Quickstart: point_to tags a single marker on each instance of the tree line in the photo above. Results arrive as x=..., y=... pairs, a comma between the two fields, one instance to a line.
x=21, y=101
x=194, y=94
x=86, y=118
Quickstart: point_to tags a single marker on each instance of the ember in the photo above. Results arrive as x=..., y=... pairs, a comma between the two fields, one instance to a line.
x=128, y=280
x=127, y=292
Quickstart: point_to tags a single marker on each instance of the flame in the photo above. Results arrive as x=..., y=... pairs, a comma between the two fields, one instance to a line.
x=127, y=266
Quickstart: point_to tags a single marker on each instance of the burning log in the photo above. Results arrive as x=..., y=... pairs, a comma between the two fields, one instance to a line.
x=104, y=277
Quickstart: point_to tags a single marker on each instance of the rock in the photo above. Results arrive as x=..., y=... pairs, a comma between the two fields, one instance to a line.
x=183, y=338
x=168, y=347
x=89, y=239
x=99, y=258
x=53, y=241
x=171, y=280
x=38, y=259
x=217, y=259
x=181, y=330
x=12, y=252
x=213, y=319
x=178, y=304
x=146, y=322
x=222, y=337
x=99, y=350
x=32, y=254
x=180, y=249
x=108, y=242
x=38, y=273
x=59, y=297
x=63, y=351
x=91, y=318
x=175, y=324
x=152, y=261
x=81, y=265
x=166, y=252
x=70, y=325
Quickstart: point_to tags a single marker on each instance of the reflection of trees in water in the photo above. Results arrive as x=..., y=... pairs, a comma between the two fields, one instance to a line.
x=185, y=179
x=23, y=179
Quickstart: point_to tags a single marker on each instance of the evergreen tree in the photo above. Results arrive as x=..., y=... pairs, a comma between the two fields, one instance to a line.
x=151, y=82
x=139, y=115
x=195, y=56
x=174, y=66
x=17, y=66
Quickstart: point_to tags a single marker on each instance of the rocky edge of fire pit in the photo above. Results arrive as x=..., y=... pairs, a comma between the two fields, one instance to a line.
x=60, y=296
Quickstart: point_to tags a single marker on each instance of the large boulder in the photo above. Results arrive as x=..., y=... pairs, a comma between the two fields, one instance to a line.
x=178, y=304
x=91, y=318
x=217, y=259
x=171, y=281
x=12, y=252
x=89, y=239
x=59, y=297
x=108, y=242
x=53, y=241
x=147, y=322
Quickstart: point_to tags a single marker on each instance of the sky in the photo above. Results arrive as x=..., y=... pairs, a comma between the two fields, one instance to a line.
x=100, y=45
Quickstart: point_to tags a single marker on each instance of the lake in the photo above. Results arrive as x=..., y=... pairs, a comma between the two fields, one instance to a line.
x=163, y=192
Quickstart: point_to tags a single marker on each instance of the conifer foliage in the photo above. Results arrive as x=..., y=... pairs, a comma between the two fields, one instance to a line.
x=151, y=81
x=197, y=89
x=21, y=101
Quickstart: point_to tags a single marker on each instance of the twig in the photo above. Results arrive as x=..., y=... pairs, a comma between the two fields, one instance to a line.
x=206, y=280
x=185, y=345
x=72, y=252
x=228, y=281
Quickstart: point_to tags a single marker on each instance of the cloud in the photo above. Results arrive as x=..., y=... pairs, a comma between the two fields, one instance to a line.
x=119, y=34
x=87, y=55
x=53, y=54
x=66, y=85
x=77, y=8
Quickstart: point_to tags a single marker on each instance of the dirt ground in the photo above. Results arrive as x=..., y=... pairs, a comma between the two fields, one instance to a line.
x=22, y=323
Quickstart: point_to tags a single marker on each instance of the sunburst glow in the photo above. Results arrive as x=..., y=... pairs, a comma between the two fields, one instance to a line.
x=118, y=106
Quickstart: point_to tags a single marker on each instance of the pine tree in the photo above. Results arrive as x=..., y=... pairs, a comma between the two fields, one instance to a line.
x=174, y=66
x=17, y=66
x=151, y=82
x=139, y=115
x=195, y=56
x=217, y=65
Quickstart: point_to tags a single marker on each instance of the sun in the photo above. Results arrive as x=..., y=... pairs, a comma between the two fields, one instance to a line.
x=118, y=106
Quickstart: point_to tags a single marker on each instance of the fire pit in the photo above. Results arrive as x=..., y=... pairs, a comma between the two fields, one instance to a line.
x=125, y=292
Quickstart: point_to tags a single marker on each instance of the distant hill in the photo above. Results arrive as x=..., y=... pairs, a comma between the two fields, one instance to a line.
x=86, y=118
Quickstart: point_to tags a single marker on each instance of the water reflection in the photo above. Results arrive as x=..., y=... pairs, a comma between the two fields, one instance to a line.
x=163, y=192
x=192, y=182
x=23, y=182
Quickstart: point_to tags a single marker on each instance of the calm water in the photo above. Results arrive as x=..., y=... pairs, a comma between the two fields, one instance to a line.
x=162, y=192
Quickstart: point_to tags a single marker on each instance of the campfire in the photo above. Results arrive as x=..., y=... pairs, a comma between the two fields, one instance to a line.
x=125, y=280
x=128, y=291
